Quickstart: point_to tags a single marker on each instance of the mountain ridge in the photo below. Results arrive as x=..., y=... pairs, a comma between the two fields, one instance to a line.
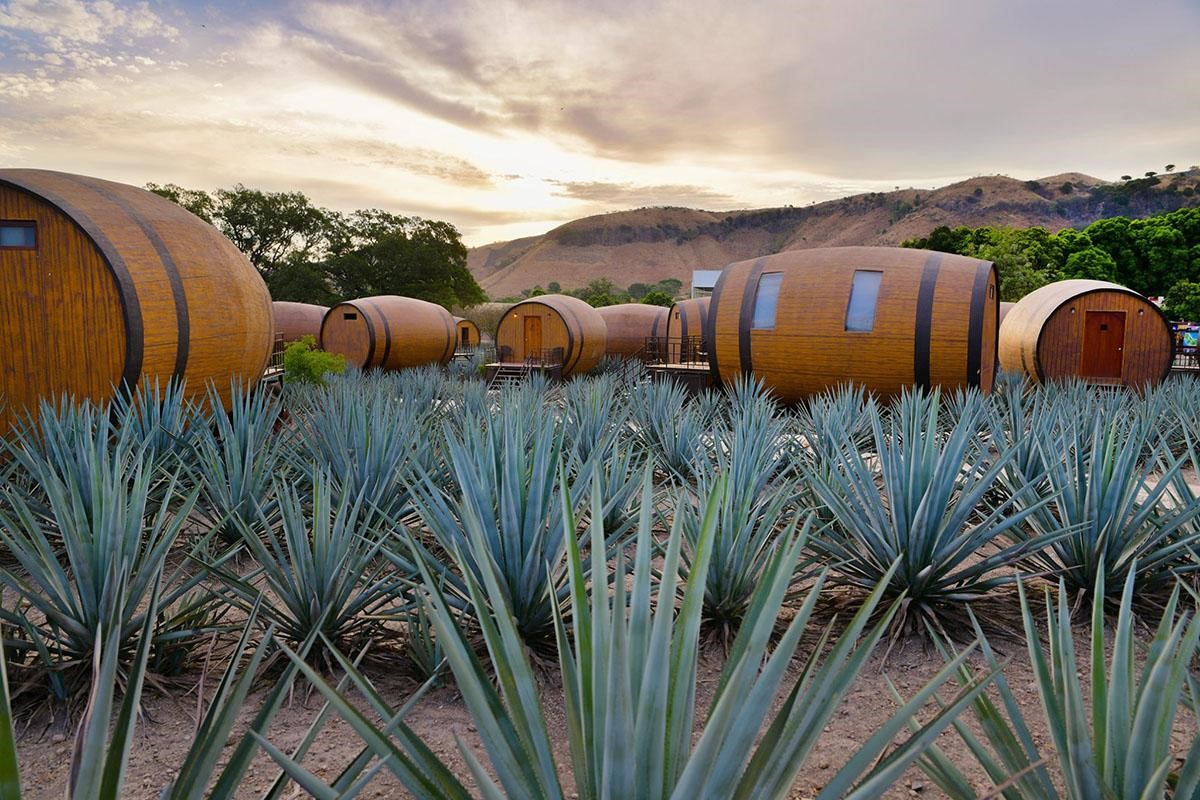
x=649, y=244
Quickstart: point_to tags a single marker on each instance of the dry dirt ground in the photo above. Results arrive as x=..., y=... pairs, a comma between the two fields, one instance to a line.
x=441, y=717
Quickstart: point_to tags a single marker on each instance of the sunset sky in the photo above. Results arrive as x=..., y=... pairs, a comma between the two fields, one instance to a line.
x=509, y=118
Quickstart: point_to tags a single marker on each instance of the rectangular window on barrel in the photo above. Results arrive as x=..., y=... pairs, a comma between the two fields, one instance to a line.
x=766, y=300
x=18, y=235
x=864, y=295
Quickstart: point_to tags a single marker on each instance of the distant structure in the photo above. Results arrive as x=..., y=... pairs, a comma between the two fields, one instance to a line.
x=629, y=325
x=389, y=332
x=703, y=281
x=467, y=333
x=1100, y=332
x=106, y=285
x=294, y=321
x=884, y=318
x=553, y=333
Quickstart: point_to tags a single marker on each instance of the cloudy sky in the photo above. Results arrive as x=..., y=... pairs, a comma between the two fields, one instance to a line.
x=508, y=117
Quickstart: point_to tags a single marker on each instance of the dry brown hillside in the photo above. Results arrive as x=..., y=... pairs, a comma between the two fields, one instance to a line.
x=649, y=244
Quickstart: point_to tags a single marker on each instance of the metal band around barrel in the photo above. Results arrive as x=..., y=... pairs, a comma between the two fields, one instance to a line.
x=746, y=315
x=975, y=326
x=923, y=323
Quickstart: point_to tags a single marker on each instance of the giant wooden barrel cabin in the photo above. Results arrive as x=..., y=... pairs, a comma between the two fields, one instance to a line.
x=537, y=327
x=884, y=318
x=1094, y=330
x=389, y=332
x=108, y=285
x=630, y=324
x=466, y=333
x=296, y=320
x=686, y=322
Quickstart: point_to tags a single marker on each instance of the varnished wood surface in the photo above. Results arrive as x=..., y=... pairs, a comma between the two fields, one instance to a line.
x=296, y=320
x=810, y=350
x=630, y=324
x=687, y=318
x=125, y=286
x=467, y=332
x=389, y=332
x=1043, y=335
x=567, y=322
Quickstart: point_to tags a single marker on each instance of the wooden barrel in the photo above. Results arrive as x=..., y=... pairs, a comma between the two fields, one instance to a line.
x=687, y=322
x=630, y=324
x=389, y=332
x=110, y=285
x=540, y=327
x=1094, y=330
x=1004, y=309
x=882, y=317
x=296, y=320
x=466, y=333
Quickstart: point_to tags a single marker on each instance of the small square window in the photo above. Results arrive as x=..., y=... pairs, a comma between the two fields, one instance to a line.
x=864, y=296
x=18, y=235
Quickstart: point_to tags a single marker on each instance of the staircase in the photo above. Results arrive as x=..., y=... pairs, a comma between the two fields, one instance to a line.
x=508, y=375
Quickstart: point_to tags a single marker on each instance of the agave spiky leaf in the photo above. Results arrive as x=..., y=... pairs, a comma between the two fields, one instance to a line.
x=237, y=458
x=750, y=464
x=916, y=503
x=1122, y=495
x=323, y=565
x=10, y=768
x=593, y=415
x=367, y=438
x=673, y=431
x=100, y=757
x=1125, y=750
x=504, y=484
x=113, y=550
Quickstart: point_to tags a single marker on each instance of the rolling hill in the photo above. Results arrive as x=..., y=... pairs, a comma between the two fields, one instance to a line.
x=649, y=244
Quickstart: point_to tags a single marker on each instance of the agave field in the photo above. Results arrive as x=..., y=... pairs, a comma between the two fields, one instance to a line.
x=626, y=592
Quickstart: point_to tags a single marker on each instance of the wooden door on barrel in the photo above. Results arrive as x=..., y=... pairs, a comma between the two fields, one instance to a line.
x=533, y=336
x=1103, y=344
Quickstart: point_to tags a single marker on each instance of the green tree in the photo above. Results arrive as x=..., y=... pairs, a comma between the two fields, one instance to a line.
x=600, y=292
x=197, y=201
x=1162, y=255
x=657, y=297
x=638, y=290
x=376, y=252
x=273, y=229
x=1091, y=263
x=1183, y=301
x=671, y=286
x=554, y=287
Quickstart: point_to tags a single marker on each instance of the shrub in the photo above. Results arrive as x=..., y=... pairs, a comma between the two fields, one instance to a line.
x=304, y=362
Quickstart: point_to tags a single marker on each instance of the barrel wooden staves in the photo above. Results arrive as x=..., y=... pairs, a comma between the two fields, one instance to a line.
x=466, y=333
x=389, y=332
x=881, y=317
x=1094, y=330
x=536, y=327
x=107, y=285
x=687, y=321
x=294, y=321
x=630, y=324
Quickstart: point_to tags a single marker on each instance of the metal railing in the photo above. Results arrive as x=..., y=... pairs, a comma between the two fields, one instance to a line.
x=688, y=350
x=548, y=357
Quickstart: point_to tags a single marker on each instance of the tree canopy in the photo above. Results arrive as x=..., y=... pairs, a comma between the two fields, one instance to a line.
x=310, y=254
x=1149, y=255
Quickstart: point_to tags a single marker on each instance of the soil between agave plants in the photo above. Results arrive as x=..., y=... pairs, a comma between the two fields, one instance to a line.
x=441, y=717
